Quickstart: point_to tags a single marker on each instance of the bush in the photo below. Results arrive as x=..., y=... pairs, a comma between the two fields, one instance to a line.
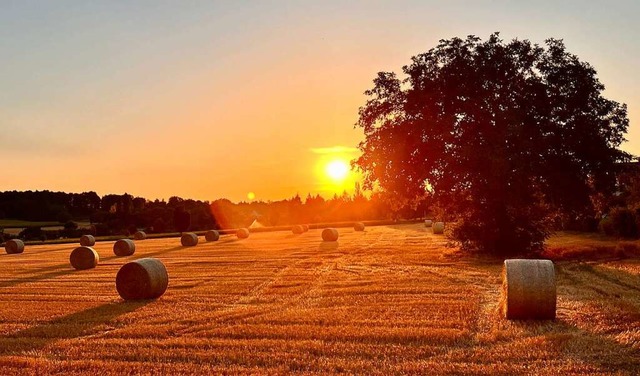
x=72, y=233
x=70, y=225
x=621, y=222
x=512, y=236
x=606, y=226
x=102, y=229
x=52, y=234
x=583, y=223
x=31, y=233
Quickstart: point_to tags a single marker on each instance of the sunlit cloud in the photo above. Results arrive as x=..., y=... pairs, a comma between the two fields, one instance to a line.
x=335, y=150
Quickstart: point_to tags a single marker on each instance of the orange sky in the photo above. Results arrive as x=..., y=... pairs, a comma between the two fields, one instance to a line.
x=210, y=100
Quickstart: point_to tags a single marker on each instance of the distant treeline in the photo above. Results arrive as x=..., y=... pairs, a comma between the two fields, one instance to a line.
x=120, y=214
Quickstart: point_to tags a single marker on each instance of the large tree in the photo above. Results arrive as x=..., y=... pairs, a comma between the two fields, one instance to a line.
x=502, y=136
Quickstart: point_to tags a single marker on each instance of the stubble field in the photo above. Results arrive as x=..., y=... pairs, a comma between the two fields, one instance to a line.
x=390, y=300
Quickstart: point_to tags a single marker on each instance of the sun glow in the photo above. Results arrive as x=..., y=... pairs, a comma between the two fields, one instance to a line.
x=337, y=170
x=333, y=170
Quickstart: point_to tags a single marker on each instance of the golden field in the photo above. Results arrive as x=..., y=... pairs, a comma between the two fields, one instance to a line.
x=390, y=300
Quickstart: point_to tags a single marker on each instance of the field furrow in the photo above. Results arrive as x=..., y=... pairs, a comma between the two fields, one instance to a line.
x=389, y=300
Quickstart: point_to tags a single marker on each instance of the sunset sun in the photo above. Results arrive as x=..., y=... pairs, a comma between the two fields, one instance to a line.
x=337, y=170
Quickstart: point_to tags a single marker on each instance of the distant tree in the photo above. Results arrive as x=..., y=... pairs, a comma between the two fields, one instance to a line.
x=181, y=219
x=175, y=201
x=98, y=216
x=139, y=203
x=202, y=219
x=83, y=204
x=159, y=225
x=132, y=229
x=501, y=136
x=63, y=216
x=224, y=213
x=109, y=203
x=125, y=206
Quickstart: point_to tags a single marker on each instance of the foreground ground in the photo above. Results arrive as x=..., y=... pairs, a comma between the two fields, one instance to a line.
x=393, y=299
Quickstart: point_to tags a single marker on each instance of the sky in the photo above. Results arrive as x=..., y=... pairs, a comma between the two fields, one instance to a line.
x=242, y=99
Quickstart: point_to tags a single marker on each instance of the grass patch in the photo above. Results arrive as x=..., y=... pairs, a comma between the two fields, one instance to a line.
x=589, y=246
x=18, y=223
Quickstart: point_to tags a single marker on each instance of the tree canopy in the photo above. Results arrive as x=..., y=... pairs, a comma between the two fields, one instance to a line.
x=503, y=137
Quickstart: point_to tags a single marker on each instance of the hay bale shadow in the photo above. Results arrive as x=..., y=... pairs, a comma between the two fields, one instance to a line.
x=71, y=326
x=328, y=246
x=163, y=251
x=68, y=269
x=583, y=345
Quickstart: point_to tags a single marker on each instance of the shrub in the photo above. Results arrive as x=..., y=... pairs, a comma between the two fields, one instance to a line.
x=70, y=225
x=512, y=236
x=51, y=234
x=31, y=233
x=606, y=226
x=102, y=229
x=621, y=222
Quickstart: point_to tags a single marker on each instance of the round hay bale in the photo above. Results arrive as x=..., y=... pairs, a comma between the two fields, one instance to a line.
x=438, y=228
x=14, y=246
x=212, y=236
x=87, y=241
x=329, y=234
x=124, y=247
x=358, y=226
x=428, y=223
x=529, y=288
x=83, y=258
x=242, y=233
x=297, y=229
x=305, y=228
x=146, y=278
x=189, y=239
x=140, y=235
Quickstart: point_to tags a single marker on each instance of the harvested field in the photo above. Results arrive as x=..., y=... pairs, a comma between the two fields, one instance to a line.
x=389, y=300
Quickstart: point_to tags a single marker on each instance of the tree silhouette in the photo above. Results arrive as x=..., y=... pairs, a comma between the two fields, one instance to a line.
x=181, y=219
x=501, y=136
